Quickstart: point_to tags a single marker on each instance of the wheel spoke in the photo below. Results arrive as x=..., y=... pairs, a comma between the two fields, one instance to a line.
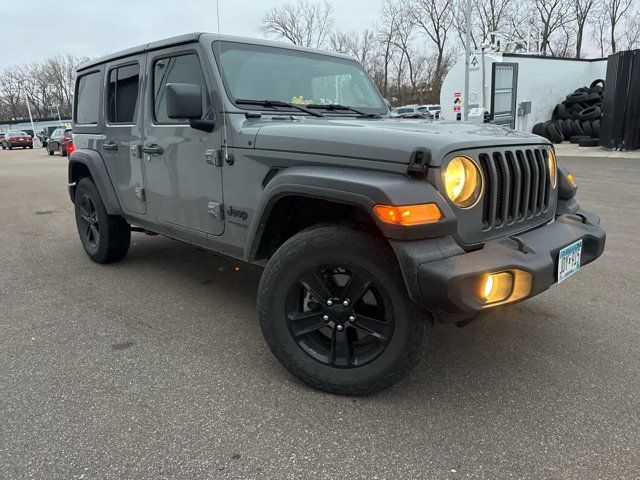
x=305, y=323
x=317, y=287
x=87, y=233
x=370, y=326
x=356, y=288
x=94, y=233
x=84, y=211
x=340, y=348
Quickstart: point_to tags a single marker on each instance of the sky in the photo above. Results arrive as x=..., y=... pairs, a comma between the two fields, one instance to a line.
x=96, y=27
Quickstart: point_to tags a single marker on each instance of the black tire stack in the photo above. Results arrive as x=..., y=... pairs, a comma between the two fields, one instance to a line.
x=577, y=118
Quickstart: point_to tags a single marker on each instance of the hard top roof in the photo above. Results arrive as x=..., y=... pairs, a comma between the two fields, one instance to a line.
x=195, y=37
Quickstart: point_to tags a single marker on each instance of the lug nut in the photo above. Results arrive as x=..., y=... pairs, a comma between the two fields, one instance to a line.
x=352, y=318
x=329, y=302
x=326, y=318
x=339, y=327
x=345, y=303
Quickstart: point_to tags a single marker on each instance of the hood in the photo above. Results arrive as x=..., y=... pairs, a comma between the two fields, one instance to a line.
x=385, y=139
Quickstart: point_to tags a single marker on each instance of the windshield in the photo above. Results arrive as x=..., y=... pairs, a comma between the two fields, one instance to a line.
x=257, y=72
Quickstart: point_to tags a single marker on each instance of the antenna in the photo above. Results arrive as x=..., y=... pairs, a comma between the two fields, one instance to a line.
x=224, y=115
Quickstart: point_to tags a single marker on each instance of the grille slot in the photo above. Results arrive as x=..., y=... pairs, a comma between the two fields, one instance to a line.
x=516, y=186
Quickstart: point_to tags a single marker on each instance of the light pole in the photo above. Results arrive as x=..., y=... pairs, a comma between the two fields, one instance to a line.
x=35, y=138
x=467, y=58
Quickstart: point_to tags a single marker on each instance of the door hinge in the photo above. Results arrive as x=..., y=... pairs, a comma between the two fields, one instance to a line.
x=215, y=210
x=136, y=151
x=213, y=157
x=140, y=193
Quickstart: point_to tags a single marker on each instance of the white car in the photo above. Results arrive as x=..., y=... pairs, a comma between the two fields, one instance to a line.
x=434, y=111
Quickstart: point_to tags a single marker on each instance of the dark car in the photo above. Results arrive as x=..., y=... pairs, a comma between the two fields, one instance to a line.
x=16, y=138
x=60, y=141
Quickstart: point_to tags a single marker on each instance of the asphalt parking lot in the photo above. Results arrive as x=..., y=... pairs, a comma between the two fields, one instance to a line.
x=155, y=367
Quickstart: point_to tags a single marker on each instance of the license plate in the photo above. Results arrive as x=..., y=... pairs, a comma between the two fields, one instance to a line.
x=569, y=260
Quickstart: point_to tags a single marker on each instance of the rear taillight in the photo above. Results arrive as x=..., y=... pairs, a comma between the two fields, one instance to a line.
x=13, y=139
x=70, y=148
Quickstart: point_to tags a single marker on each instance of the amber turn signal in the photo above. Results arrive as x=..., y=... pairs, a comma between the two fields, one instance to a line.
x=572, y=179
x=409, y=214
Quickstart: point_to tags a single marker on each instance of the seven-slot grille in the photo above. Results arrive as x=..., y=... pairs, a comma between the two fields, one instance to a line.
x=517, y=186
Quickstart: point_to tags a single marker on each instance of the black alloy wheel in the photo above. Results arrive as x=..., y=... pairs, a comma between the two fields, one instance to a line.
x=88, y=221
x=335, y=311
x=338, y=315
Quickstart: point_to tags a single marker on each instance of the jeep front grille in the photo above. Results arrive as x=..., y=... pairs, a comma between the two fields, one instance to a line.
x=517, y=186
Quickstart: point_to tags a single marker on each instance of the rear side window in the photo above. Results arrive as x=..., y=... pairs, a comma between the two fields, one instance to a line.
x=88, y=95
x=123, y=93
x=178, y=69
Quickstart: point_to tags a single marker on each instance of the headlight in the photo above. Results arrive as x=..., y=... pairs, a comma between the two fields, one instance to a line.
x=551, y=163
x=463, y=182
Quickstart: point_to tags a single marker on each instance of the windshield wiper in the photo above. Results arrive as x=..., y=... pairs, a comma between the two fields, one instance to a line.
x=332, y=107
x=278, y=103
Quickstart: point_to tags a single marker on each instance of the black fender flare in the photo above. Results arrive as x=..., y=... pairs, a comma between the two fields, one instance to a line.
x=350, y=186
x=94, y=162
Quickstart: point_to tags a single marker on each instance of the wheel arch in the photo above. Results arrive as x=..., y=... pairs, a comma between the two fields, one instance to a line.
x=89, y=163
x=338, y=193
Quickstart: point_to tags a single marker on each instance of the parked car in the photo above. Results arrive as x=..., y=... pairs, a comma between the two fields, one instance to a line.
x=60, y=141
x=410, y=111
x=16, y=138
x=433, y=111
x=368, y=229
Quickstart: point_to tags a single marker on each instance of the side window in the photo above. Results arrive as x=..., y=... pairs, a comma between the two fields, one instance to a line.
x=88, y=99
x=179, y=69
x=123, y=93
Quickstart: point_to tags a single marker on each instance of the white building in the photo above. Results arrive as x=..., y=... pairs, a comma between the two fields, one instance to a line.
x=518, y=90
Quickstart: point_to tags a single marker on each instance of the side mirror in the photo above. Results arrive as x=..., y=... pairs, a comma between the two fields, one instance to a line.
x=184, y=101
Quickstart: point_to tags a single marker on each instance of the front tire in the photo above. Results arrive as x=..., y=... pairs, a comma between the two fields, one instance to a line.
x=335, y=311
x=105, y=237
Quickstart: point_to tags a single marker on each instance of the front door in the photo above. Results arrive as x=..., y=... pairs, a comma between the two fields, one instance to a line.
x=184, y=185
x=123, y=132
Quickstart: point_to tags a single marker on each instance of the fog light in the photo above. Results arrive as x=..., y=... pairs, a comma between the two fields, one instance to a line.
x=496, y=287
x=503, y=287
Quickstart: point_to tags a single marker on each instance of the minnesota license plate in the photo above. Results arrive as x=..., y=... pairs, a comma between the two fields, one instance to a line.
x=569, y=260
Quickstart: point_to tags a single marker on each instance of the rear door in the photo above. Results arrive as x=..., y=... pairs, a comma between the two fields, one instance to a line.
x=121, y=148
x=504, y=89
x=184, y=181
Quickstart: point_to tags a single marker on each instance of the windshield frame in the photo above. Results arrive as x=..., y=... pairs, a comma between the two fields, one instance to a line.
x=216, y=47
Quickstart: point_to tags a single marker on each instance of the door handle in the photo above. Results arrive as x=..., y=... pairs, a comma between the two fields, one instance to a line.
x=110, y=146
x=153, y=149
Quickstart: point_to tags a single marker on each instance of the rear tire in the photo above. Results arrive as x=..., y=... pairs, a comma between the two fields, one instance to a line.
x=355, y=348
x=50, y=151
x=105, y=237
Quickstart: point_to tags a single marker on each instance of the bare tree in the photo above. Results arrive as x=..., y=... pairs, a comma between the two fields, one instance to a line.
x=42, y=84
x=303, y=23
x=359, y=45
x=391, y=18
x=553, y=16
x=631, y=32
x=615, y=11
x=599, y=23
x=581, y=10
x=434, y=18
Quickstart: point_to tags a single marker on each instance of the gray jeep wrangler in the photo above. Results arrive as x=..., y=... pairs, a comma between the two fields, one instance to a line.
x=368, y=228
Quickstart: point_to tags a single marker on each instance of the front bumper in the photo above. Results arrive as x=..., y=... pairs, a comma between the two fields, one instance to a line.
x=448, y=286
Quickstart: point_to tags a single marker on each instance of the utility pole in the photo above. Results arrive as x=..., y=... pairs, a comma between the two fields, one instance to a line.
x=467, y=60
